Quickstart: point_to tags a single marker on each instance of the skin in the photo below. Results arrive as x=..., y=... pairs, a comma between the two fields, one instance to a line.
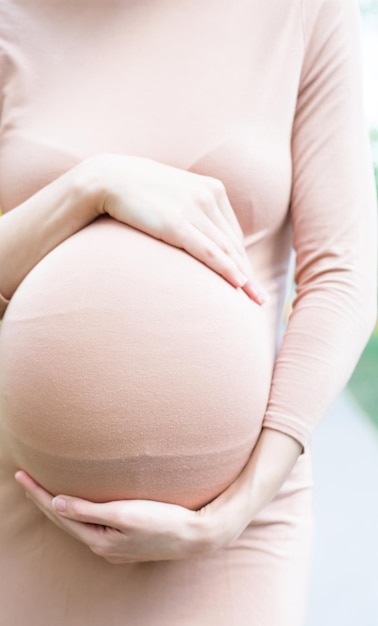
x=184, y=209
x=141, y=530
x=192, y=212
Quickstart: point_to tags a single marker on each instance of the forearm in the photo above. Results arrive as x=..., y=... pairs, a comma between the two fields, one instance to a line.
x=140, y=192
x=333, y=217
x=269, y=465
x=149, y=531
x=46, y=219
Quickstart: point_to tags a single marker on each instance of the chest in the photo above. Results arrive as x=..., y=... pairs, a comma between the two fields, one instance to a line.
x=184, y=85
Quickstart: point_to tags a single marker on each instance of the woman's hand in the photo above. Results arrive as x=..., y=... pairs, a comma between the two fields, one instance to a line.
x=142, y=530
x=136, y=530
x=182, y=208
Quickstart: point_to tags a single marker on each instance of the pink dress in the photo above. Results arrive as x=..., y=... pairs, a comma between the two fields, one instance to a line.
x=127, y=368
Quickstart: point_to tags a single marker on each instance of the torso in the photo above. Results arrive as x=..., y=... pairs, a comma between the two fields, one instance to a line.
x=154, y=369
x=81, y=81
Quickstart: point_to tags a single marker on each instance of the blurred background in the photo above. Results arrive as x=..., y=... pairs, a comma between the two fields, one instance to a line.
x=364, y=383
x=344, y=585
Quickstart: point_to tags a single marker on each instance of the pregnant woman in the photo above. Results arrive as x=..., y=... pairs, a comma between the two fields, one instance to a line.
x=158, y=163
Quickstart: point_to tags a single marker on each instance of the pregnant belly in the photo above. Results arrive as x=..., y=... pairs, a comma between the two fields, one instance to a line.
x=128, y=369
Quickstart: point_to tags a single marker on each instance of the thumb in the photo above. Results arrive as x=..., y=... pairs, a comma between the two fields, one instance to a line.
x=104, y=513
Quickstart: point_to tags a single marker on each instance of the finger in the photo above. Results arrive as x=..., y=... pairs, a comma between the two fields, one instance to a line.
x=239, y=246
x=203, y=248
x=229, y=213
x=252, y=288
x=87, y=534
x=36, y=494
x=255, y=292
x=33, y=490
x=84, y=511
x=223, y=216
x=51, y=504
x=29, y=484
x=218, y=233
x=215, y=211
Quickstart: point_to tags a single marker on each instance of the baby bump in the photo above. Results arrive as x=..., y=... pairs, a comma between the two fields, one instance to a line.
x=128, y=369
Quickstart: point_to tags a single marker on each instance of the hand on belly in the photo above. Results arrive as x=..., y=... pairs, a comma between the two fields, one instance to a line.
x=130, y=370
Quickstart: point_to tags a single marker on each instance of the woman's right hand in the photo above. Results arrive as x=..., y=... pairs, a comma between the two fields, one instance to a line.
x=182, y=208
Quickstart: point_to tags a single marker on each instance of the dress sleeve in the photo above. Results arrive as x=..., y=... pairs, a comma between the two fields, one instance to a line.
x=333, y=214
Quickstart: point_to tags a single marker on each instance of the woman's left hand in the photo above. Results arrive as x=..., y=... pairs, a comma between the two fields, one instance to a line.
x=140, y=530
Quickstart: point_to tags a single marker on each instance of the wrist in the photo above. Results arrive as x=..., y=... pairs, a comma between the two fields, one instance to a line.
x=270, y=464
x=89, y=186
x=221, y=521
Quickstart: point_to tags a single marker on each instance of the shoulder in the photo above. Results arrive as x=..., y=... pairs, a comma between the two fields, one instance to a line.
x=17, y=18
x=10, y=14
x=11, y=24
x=332, y=35
x=328, y=15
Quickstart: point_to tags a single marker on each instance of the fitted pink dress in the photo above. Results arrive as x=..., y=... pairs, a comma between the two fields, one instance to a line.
x=128, y=369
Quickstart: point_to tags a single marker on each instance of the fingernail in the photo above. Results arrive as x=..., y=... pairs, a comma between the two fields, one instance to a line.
x=59, y=504
x=241, y=279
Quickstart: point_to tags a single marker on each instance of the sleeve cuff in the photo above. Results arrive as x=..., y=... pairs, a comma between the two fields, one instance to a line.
x=288, y=428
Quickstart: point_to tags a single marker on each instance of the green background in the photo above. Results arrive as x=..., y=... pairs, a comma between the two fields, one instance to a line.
x=364, y=382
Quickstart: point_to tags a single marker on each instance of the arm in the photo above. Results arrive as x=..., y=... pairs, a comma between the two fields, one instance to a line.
x=39, y=224
x=140, y=530
x=34, y=228
x=139, y=192
x=333, y=212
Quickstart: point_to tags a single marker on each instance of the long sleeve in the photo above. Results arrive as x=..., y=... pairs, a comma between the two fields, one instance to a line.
x=333, y=213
